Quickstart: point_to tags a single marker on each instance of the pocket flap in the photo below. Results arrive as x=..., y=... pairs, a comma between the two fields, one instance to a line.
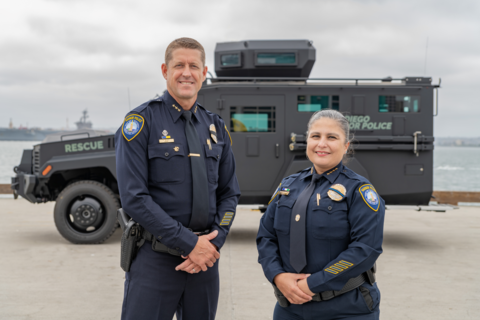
x=285, y=201
x=215, y=153
x=166, y=151
x=329, y=205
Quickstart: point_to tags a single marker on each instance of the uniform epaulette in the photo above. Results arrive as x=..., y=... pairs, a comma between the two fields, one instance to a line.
x=353, y=175
x=141, y=107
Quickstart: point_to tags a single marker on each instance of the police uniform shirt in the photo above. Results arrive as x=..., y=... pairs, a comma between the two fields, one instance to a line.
x=343, y=238
x=154, y=173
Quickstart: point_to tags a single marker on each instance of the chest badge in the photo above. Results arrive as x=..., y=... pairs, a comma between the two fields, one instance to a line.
x=337, y=192
x=213, y=133
x=165, y=137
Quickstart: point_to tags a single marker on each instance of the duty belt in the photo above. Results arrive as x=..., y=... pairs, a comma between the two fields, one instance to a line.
x=353, y=283
x=160, y=247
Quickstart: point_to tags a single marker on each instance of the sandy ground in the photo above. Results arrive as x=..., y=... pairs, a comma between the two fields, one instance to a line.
x=428, y=269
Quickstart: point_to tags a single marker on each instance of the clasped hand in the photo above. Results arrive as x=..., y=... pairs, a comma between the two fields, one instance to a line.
x=204, y=255
x=294, y=287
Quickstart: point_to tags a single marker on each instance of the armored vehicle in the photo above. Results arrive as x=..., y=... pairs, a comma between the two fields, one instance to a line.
x=265, y=96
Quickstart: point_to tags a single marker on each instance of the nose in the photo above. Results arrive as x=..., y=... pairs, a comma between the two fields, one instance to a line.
x=322, y=142
x=187, y=72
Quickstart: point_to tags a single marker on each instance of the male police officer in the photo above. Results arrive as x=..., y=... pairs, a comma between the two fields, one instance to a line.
x=176, y=177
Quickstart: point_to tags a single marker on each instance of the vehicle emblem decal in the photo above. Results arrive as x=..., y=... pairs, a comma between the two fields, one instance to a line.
x=370, y=196
x=337, y=192
x=132, y=125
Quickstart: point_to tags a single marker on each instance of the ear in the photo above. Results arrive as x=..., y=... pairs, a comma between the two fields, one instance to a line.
x=164, y=70
x=205, y=70
x=346, y=147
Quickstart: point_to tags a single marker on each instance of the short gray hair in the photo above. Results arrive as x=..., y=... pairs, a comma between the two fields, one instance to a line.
x=334, y=115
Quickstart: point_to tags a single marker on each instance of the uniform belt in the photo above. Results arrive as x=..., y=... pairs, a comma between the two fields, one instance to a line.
x=351, y=284
x=160, y=247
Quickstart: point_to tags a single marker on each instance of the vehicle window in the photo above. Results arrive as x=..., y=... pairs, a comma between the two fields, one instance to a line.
x=252, y=119
x=277, y=58
x=228, y=60
x=405, y=104
x=310, y=103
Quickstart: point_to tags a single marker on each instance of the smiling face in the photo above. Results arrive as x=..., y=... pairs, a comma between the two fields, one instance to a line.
x=185, y=74
x=326, y=144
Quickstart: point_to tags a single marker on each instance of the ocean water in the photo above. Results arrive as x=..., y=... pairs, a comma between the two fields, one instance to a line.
x=455, y=168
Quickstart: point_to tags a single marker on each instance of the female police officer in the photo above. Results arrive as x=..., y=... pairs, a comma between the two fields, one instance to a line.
x=322, y=233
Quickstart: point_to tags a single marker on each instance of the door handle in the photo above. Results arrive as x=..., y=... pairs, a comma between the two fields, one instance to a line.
x=277, y=150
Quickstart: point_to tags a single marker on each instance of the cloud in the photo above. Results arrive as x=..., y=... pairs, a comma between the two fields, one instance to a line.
x=59, y=57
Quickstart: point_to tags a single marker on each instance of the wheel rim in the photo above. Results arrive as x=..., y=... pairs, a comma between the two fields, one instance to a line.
x=86, y=214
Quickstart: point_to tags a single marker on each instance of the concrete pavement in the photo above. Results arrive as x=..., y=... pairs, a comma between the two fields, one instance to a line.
x=428, y=269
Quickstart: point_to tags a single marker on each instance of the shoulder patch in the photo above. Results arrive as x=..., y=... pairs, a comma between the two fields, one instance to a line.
x=231, y=143
x=370, y=196
x=132, y=125
x=274, y=194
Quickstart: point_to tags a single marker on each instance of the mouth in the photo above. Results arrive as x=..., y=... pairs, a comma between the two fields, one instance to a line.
x=186, y=82
x=322, y=153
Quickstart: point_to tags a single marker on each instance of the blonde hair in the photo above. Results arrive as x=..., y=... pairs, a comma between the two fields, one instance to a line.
x=186, y=43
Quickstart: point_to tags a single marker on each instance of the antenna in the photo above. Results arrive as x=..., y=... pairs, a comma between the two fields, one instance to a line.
x=425, y=65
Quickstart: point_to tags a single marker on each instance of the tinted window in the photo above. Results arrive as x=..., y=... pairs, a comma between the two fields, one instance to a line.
x=230, y=59
x=276, y=58
x=405, y=104
x=316, y=103
x=252, y=119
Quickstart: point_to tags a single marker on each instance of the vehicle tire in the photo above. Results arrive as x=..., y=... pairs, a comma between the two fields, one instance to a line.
x=86, y=212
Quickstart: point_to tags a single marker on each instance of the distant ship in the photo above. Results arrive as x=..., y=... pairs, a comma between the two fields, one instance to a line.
x=37, y=134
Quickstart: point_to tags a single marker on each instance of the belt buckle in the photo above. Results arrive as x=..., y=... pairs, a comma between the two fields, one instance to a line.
x=201, y=233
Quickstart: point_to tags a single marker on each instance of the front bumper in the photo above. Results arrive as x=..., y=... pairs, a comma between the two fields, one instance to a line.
x=24, y=185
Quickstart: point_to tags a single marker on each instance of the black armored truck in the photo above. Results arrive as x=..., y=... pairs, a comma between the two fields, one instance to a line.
x=265, y=96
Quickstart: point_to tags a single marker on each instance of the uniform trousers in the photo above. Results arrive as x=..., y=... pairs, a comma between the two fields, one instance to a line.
x=350, y=305
x=155, y=291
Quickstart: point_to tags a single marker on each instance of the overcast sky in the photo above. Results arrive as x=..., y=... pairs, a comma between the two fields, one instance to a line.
x=59, y=57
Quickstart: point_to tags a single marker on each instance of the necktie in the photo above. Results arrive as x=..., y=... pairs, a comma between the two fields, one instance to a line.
x=199, y=219
x=298, y=255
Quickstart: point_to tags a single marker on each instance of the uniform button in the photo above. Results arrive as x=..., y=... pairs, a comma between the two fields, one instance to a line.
x=167, y=154
x=329, y=207
x=218, y=156
x=159, y=237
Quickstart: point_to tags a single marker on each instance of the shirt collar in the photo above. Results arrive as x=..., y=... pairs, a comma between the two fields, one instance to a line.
x=331, y=175
x=175, y=109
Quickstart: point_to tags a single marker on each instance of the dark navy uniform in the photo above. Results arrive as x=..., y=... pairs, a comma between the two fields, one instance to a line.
x=155, y=184
x=343, y=240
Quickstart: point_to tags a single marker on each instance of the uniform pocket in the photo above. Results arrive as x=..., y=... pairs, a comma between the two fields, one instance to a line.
x=367, y=297
x=212, y=159
x=283, y=215
x=330, y=220
x=167, y=162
